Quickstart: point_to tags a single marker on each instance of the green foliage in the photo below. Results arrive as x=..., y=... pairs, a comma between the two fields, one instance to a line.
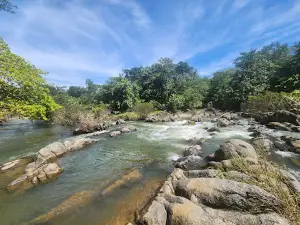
x=23, y=90
x=7, y=6
x=119, y=93
x=176, y=102
x=272, y=101
x=219, y=93
x=129, y=116
x=275, y=67
x=143, y=109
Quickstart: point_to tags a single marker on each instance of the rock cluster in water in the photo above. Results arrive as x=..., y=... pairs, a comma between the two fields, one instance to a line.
x=43, y=166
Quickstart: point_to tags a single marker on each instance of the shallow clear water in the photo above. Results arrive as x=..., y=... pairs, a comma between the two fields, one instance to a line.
x=150, y=149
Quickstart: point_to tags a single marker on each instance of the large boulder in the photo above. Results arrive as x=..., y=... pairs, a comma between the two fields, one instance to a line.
x=227, y=194
x=193, y=150
x=185, y=212
x=156, y=214
x=222, y=122
x=235, y=148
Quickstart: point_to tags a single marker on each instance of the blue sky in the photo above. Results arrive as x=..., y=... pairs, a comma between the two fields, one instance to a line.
x=78, y=39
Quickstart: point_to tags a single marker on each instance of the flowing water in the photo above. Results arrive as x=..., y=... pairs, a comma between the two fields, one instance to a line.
x=151, y=150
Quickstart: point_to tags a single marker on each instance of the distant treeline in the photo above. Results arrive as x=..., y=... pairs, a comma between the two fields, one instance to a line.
x=164, y=85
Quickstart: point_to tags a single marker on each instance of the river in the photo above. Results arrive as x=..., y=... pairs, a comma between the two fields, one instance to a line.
x=151, y=150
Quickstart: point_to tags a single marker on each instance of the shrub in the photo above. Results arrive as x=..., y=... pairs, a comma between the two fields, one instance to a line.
x=101, y=110
x=143, y=109
x=272, y=101
x=176, y=102
x=129, y=116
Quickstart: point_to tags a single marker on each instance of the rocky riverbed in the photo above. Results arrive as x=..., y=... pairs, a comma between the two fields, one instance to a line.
x=101, y=183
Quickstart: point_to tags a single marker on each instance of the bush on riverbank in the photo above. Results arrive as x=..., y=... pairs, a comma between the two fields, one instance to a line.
x=271, y=178
x=272, y=101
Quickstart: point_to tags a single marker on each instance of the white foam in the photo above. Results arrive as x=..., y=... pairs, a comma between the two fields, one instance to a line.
x=173, y=156
x=233, y=133
x=286, y=154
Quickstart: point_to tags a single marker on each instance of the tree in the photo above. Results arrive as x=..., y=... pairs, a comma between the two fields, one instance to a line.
x=7, y=6
x=119, y=93
x=76, y=91
x=219, y=92
x=23, y=90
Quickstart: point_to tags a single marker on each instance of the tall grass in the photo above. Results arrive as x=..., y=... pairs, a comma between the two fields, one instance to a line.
x=269, y=177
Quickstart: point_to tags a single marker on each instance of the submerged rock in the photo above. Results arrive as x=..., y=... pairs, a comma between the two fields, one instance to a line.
x=17, y=165
x=22, y=182
x=214, y=129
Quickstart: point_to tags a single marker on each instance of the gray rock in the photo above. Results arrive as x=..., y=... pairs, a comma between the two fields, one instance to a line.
x=235, y=148
x=190, y=162
x=115, y=133
x=263, y=143
x=52, y=170
x=222, y=122
x=18, y=164
x=156, y=214
x=278, y=126
x=120, y=121
x=291, y=181
x=193, y=150
x=21, y=183
x=295, y=128
x=227, y=194
x=214, y=129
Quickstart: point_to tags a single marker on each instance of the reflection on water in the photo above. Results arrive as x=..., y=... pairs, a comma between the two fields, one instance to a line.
x=150, y=149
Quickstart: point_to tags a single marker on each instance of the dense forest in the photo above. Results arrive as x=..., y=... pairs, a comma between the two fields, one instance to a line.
x=271, y=72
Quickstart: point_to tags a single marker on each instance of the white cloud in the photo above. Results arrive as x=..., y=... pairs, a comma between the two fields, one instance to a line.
x=79, y=40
